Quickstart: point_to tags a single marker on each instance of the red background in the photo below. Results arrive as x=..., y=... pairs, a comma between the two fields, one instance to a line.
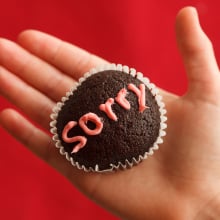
x=137, y=33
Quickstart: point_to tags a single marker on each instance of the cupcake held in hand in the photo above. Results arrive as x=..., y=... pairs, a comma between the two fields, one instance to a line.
x=112, y=119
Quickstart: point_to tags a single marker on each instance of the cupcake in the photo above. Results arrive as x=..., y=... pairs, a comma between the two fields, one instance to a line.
x=112, y=119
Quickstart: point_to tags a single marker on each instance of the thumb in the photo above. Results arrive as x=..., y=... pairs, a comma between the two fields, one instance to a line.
x=198, y=56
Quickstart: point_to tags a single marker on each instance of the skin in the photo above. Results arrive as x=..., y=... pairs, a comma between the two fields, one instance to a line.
x=180, y=181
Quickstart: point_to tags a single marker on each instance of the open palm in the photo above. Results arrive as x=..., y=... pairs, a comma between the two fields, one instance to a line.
x=180, y=181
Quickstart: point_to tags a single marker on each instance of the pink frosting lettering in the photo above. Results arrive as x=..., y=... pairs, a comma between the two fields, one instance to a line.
x=140, y=93
x=93, y=118
x=81, y=139
x=107, y=108
x=120, y=99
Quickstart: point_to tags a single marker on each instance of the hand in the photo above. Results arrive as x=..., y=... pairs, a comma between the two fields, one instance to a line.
x=180, y=181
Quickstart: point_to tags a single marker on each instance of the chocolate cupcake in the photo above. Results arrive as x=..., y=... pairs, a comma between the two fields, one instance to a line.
x=112, y=119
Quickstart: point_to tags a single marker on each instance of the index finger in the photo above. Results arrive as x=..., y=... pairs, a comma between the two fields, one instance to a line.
x=68, y=58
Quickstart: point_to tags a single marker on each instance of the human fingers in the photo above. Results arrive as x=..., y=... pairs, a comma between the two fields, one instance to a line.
x=33, y=70
x=65, y=56
x=41, y=144
x=198, y=55
x=34, y=139
x=32, y=102
x=25, y=132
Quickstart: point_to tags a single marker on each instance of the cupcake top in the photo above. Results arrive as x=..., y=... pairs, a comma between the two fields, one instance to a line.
x=112, y=119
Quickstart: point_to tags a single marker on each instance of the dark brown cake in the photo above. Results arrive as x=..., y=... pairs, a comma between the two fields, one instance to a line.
x=120, y=141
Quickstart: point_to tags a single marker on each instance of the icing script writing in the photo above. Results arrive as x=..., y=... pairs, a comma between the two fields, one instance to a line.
x=107, y=108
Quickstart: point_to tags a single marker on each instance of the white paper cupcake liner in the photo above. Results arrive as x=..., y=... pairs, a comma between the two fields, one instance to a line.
x=120, y=165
